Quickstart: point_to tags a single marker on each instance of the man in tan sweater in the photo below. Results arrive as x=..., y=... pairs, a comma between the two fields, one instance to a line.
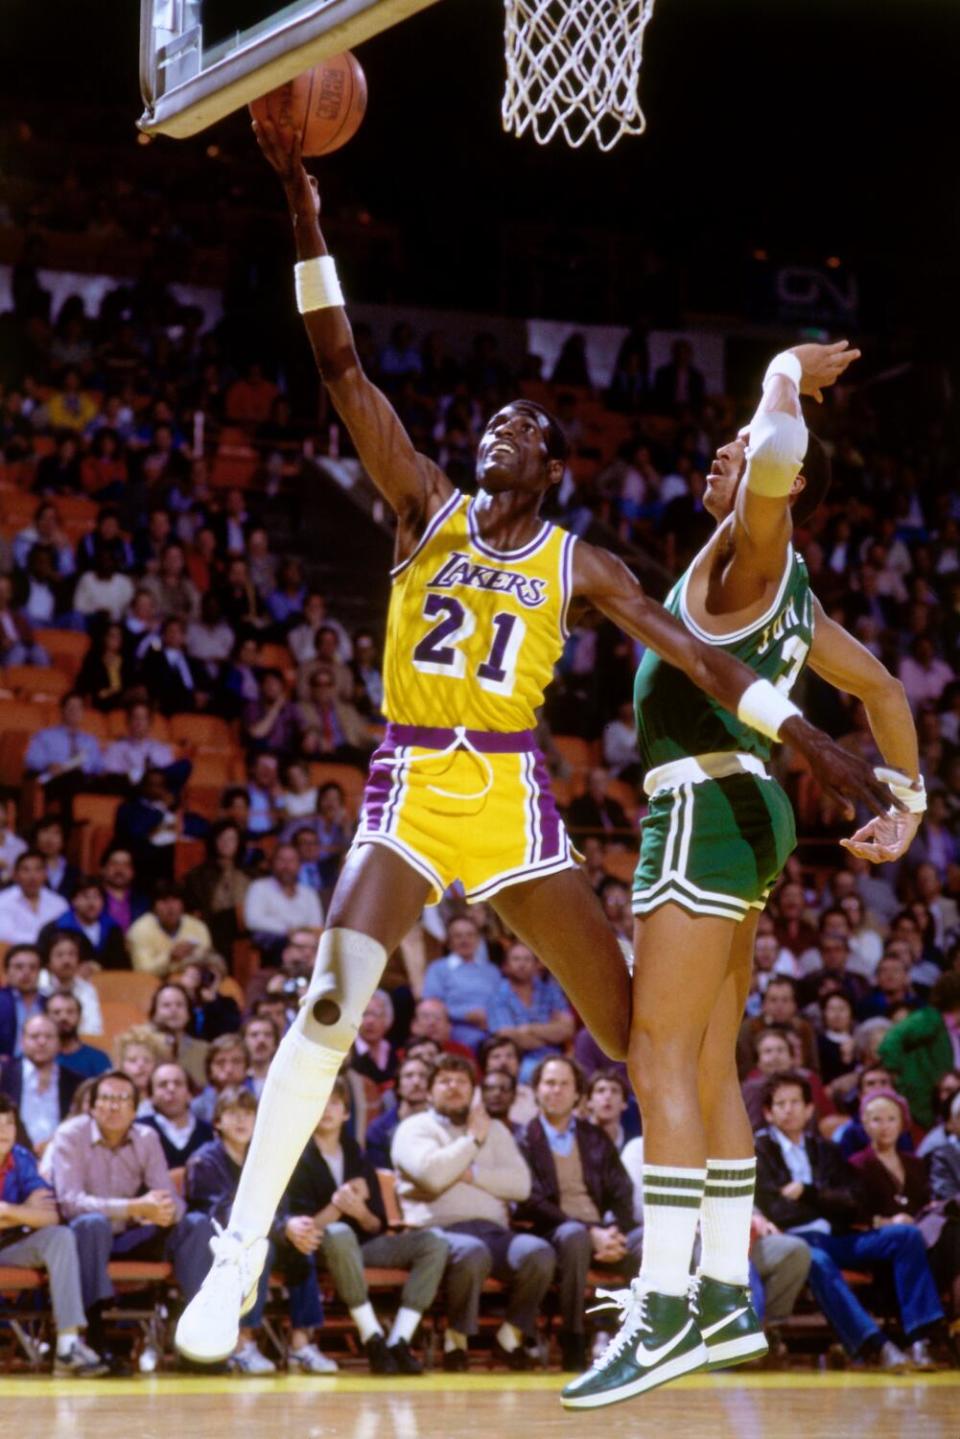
x=458, y=1172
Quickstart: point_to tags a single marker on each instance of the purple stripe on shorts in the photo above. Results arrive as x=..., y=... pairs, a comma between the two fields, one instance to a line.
x=486, y=741
x=377, y=789
x=550, y=826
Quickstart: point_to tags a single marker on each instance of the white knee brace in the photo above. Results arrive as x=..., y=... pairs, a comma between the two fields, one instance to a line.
x=347, y=971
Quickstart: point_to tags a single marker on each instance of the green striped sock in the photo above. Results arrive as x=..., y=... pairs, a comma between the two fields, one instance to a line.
x=671, y=1207
x=725, y=1219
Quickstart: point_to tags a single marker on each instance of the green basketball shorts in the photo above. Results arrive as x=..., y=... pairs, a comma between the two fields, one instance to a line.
x=715, y=847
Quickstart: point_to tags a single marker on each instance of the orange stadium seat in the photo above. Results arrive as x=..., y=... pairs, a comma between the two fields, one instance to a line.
x=201, y=731
x=186, y=854
x=66, y=649
x=36, y=680
x=350, y=779
x=97, y=809
x=94, y=839
x=27, y=715
x=13, y=747
x=118, y=1015
x=125, y=986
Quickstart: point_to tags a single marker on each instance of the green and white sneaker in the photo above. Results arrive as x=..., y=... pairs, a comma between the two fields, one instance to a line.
x=727, y=1321
x=658, y=1341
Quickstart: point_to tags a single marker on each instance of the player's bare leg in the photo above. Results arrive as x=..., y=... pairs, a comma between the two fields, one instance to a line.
x=560, y=918
x=377, y=899
x=725, y=1312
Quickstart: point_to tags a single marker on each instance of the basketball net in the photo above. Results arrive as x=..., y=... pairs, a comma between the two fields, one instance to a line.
x=574, y=66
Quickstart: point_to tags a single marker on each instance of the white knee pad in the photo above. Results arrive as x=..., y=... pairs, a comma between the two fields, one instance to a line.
x=347, y=971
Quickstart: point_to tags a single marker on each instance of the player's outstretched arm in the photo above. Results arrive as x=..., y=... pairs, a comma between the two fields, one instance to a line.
x=776, y=444
x=844, y=663
x=410, y=483
x=603, y=580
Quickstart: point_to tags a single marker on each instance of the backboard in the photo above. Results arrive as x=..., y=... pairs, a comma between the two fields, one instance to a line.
x=201, y=59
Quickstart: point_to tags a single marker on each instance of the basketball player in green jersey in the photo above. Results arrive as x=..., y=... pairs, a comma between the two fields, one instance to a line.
x=718, y=833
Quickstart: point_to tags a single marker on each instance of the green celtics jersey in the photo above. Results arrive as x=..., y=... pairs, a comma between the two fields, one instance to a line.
x=676, y=719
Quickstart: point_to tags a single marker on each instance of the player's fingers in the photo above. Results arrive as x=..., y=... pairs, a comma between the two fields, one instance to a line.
x=840, y=800
x=818, y=396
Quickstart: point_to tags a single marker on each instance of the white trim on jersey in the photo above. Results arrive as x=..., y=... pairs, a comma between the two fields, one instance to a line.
x=749, y=629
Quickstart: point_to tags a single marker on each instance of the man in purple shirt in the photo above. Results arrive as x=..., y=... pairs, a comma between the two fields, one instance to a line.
x=114, y=1190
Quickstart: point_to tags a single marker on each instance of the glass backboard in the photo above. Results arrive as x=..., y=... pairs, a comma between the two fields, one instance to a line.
x=201, y=59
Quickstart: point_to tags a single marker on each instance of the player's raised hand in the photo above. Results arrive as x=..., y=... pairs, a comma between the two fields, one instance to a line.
x=884, y=838
x=281, y=149
x=823, y=365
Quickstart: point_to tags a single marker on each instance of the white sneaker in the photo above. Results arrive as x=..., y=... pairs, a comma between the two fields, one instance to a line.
x=310, y=1360
x=209, y=1327
x=248, y=1360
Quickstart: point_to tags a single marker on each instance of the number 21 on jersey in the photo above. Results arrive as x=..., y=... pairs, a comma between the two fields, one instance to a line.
x=440, y=651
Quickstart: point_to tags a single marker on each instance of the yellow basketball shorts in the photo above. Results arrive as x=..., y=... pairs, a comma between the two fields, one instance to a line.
x=465, y=805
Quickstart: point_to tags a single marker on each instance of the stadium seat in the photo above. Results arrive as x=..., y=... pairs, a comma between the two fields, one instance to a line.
x=187, y=854
x=580, y=755
x=350, y=779
x=66, y=649
x=201, y=731
x=125, y=986
x=118, y=1015
x=36, y=680
x=96, y=809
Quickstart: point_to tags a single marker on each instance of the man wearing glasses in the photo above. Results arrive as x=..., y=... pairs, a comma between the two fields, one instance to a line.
x=114, y=1190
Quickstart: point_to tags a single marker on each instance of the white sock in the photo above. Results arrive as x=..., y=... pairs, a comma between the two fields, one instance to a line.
x=453, y=1339
x=725, y=1217
x=66, y=1342
x=404, y=1326
x=671, y=1208
x=510, y=1336
x=366, y=1321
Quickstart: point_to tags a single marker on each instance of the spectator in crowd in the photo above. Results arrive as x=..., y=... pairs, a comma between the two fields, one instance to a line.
x=20, y=997
x=50, y=840
x=336, y=1210
x=39, y=1087
x=45, y=530
x=213, y=1174
x=792, y=927
x=225, y=1067
x=678, y=385
x=89, y=927
x=332, y=728
x=124, y=903
x=327, y=647
x=614, y=896
x=139, y=1050
x=835, y=1042
x=367, y=676
x=497, y=1092
x=947, y=1086
x=892, y=994
x=581, y=1197
x=172, y=588
x=217, y=888
x=805, y=1186
x=829, y=961
x=943, y=910
x=530, y=1008
x=296, y=965
x=431, y=1021
x=171, y=1015
x=114, y=1190
x=271, y=722
x=895, y=1189
x=80, y=1058
x=457, y=1172
x=62, y=976
x=210, y=642
x=923, y=674
x=596, y=813
x=373, y=1054
x=608, y=1106
x=104, y=589
x=924, y=1046
x=866, y=944
x=261, y=1037
x=264, y=794
x=166, y=935
x=137, y=751
x=299, y=797
x=27, y=904
x=212, y=1012
x=181, y=1132
x=168, y=675
x=465, y=982
x=11, y=846
x=33, y=1237
x=18, y=644
x=779, y=1008
x=279, y=903
x=774, y=1053
x=150, y=824
x=413, y=1090
x=501, y=1055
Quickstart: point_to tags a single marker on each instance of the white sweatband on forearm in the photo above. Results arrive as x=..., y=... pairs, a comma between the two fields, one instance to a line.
x=786, y=363
x=902, y=788
x=778, y=443
x=765, y=709
x=318, y=287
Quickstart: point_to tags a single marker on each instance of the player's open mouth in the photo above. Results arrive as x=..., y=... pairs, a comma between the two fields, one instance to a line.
x=504, y=446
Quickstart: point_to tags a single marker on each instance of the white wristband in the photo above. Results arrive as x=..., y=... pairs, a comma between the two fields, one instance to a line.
x=901, y=786
x=765, y=709
x=786, y=363
x=318, y=287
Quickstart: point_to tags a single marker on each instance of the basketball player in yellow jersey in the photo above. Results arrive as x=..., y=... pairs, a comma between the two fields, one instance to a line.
x=457, y=790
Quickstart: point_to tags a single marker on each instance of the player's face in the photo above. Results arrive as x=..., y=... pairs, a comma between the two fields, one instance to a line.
x=723, y=479
x=512, y=454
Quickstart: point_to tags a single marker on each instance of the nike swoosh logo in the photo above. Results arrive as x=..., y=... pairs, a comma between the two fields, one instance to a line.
x=647, y=1358
x=722, y=1323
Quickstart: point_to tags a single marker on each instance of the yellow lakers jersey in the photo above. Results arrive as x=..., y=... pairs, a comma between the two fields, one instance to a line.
x=473, y=633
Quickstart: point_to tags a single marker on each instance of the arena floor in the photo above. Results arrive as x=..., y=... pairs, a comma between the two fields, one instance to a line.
x=761, y=1406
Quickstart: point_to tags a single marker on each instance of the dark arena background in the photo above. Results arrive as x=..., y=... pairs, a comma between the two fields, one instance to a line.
x=194, y=580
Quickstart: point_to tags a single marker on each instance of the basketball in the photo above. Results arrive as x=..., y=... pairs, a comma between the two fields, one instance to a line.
x=324, y=106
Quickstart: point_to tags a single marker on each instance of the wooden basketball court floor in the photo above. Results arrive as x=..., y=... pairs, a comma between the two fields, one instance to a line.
x=726, y=1406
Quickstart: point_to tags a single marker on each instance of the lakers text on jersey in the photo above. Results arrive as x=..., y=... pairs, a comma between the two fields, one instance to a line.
x=719, y=828
x=473, y=633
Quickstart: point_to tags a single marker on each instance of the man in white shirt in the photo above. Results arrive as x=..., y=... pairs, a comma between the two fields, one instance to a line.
x=102, y=588
x=279, y=903
x=61, y=977
x=133, y=755
x=27, y=905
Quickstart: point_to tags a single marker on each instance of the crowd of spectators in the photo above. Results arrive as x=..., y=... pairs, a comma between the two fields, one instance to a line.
x=220, y=710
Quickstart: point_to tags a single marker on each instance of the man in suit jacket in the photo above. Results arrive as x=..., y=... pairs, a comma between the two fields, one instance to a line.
x=40, y=1087
x=806, y=1187
x=8, y=1022
x=945, y=1163
x=578, y=1183
x=169, y=675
